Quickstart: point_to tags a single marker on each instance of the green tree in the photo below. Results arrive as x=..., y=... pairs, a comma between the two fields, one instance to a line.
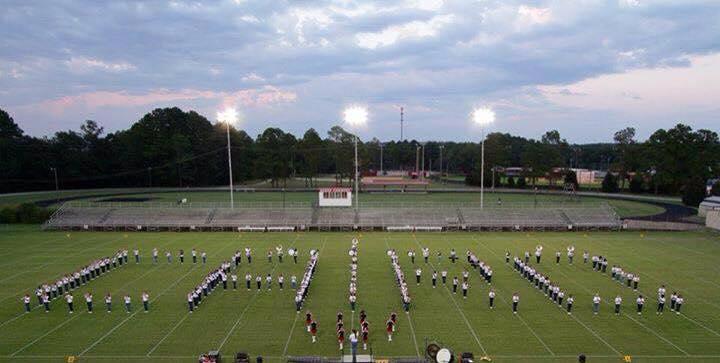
x=510, y=182
x=344, y=152
x=715, y=191
x=693, y=192
x=8, y=128
x=276, y=151
x=609, y=183
x=311, y=149
x=624, y=143
x=571, y=179
x=521, y=183
x=636, y=184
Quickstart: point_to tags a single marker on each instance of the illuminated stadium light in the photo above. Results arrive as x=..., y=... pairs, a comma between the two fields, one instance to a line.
x=229, y=116
x=483, y=116
x=355, y=116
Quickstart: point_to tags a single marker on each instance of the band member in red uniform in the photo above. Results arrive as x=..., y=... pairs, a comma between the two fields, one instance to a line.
x=363, y=317
x=308, y=320
x=313, y=330
x=341, y=336
x=365, y=334
x=390, y=326
x=393, y=318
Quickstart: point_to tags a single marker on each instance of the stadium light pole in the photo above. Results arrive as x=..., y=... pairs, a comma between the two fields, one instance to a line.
x=356, y=116
x=482, y=117
x=423, y=161
x=229, y=116
x=381, y=158
x=417, y=161
x=441, y=169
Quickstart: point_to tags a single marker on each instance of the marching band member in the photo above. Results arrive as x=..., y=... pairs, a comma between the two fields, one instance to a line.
x=145, y=297
x=640, y=303
x=596, y=303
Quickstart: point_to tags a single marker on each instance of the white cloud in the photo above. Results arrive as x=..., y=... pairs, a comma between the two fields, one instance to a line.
x=645, y=91
x=629, y=3
x=252, y=97
x=250, y=19
x=14, y=73
x=529, y=16
x=482, y=39
x=316, y=17
x=428, y=5
x=412, y=30
x=83, y=65
x=253, y=77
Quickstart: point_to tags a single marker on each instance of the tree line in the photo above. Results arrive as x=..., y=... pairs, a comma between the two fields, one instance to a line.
x=169, y=147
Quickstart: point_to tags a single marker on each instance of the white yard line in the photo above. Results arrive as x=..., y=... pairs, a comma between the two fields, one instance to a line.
x=151, y=301
x=44, y=335
x=23, y=313
x=32, y=255
x=84, y=250
x=683, y=315
x=520, y=317
x=135, y=313
x=287, y=343
x=167, y=335
x=292, y=329
x=564, y=357
x=239, y=319
x=467, y=322
x=24, y=272
x=80, y=313
x=594, y=333
x=629, y=317
x=412, y=329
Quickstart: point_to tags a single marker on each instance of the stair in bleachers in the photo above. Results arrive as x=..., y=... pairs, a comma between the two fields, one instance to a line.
x=210, y=216
x=105, y=216
x=314, y=217
x=565, y=217
x=461, y=219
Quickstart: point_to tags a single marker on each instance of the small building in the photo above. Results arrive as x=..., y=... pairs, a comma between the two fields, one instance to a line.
x=335, y=197
x=585, y=176
x=710, y=203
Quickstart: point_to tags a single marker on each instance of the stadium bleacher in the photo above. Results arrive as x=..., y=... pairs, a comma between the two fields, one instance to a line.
x=149, y=216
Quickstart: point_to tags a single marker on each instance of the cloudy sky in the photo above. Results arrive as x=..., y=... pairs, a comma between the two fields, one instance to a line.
x=584, y=67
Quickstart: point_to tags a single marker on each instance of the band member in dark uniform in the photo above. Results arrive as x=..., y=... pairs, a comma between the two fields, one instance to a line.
x=313, y=330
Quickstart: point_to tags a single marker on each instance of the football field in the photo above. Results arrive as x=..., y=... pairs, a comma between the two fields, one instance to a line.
x=264, y=322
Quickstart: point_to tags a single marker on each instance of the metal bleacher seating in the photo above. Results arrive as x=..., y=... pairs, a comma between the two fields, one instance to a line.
x=430, y=217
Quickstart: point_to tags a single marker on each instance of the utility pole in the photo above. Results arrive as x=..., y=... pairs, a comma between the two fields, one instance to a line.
x=401, y=123
x=357, y=191
x=232, y=199
x=381, y=159
x=441, y=169
x=493, y=181
x=57, y=186
x=417, y=161
x=423, y=161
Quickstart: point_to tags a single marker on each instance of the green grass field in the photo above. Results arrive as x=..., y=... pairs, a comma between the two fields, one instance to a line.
x=265, y=323
x=624, y=208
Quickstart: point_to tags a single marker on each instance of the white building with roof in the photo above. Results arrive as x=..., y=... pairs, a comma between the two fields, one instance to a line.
x=335, y=197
